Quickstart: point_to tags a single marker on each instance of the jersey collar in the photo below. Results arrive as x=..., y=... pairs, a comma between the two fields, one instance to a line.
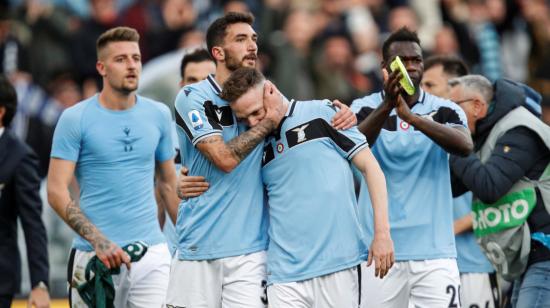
x=215, y=86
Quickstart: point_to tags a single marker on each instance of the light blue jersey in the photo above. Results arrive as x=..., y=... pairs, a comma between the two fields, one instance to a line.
x=115, y=154
x=470, y=258
x=169, y=229
x=417, y=177
x=314, y=226
x=230, y=218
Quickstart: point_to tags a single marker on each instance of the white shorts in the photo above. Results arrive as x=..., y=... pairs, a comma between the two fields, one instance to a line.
x=479, y=290
x=143, y=286
x=429, y=283
x=227, y=282
x=340, y=289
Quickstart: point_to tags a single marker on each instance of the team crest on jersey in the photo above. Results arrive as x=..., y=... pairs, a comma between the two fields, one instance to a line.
x=195, y=119
x=301, y=131
x=280, y=148
x=404, y=125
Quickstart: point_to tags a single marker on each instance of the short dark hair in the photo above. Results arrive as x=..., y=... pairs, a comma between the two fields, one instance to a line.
x=239, y=82
x=8, y=100
x=217, y=30
x=401, y=35
x=199, y=55
x=452, y=65
x=118, y=34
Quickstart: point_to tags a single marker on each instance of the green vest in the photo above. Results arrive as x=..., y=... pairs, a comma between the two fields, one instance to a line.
x=501, y=228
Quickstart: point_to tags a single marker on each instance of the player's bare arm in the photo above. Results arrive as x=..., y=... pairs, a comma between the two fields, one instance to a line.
x=226, y=156
x=371, y=126
x=167, y=182
x=463, y=224
x=381, y=249
x=453, y=139
x=59, y=178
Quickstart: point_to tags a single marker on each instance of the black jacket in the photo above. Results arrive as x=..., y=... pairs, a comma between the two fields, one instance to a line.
x=519, y=152
x=19, y=198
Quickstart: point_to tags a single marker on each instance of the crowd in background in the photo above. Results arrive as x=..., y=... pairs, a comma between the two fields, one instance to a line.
x=309, y=48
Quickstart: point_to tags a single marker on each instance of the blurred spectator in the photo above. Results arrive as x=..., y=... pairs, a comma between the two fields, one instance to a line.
x=12, y=54
x=50, y=28
x=103, y=17
x=160, y=75
x=336, y=76
x=537, y=14
x=62, y=92
x=446, y=42
x=19, y=200
x=290, y=51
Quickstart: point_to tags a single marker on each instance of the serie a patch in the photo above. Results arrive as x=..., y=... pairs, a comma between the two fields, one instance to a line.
x=195, y=119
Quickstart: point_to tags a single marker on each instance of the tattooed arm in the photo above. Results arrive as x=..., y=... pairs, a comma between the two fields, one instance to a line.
x=59, y=178
x=226, y=156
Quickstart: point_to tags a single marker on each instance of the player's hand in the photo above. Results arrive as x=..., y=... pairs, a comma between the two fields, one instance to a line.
x=110, y=254
x=392, y=87
x=39, y=298
x=191, y=186
x=403, y=110
x=273, y=104
x=344, y=118
x=381, y=252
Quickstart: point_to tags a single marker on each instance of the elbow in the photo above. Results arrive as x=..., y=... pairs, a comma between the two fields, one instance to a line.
x=226, y=165
x=465, y=149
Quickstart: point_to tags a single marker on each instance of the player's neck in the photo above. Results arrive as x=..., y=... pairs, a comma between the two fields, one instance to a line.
x=222, y=74
x=116, y=100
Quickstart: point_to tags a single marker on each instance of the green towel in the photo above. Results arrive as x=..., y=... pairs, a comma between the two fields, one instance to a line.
x=99, y=291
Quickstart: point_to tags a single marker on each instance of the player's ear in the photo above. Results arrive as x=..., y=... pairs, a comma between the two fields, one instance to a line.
x=100, y=66
x=218, y=53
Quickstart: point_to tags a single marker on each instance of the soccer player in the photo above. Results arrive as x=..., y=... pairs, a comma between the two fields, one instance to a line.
x=111, y=142
x=478, y=283
x=411, y=137
x=438, y=70
x=195, y=66
x=223, y=233
x=316, y=241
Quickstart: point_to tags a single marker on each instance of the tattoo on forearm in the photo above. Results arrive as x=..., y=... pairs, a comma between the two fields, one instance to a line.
x=81, y=225
x=243, y=144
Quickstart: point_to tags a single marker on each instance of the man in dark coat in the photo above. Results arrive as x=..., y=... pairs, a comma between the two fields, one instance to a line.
x=19, y=198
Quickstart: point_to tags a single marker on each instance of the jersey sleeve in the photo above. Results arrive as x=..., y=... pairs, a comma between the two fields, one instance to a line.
x=450, y=114
x=67, y=137
x=191, y=115
x=362, y=107
x=347, y=142
x=165, y=149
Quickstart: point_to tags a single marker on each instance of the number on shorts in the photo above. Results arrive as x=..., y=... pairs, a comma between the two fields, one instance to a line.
x=451, y=289
x=264, y=297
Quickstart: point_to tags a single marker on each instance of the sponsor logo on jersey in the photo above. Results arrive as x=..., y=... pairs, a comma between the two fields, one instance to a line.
x=195, y=119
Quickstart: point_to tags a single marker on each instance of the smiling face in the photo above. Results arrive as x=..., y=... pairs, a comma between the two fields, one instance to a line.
x=249, y=108
x=120, y=66
x=411, y=55
x=240, y=46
